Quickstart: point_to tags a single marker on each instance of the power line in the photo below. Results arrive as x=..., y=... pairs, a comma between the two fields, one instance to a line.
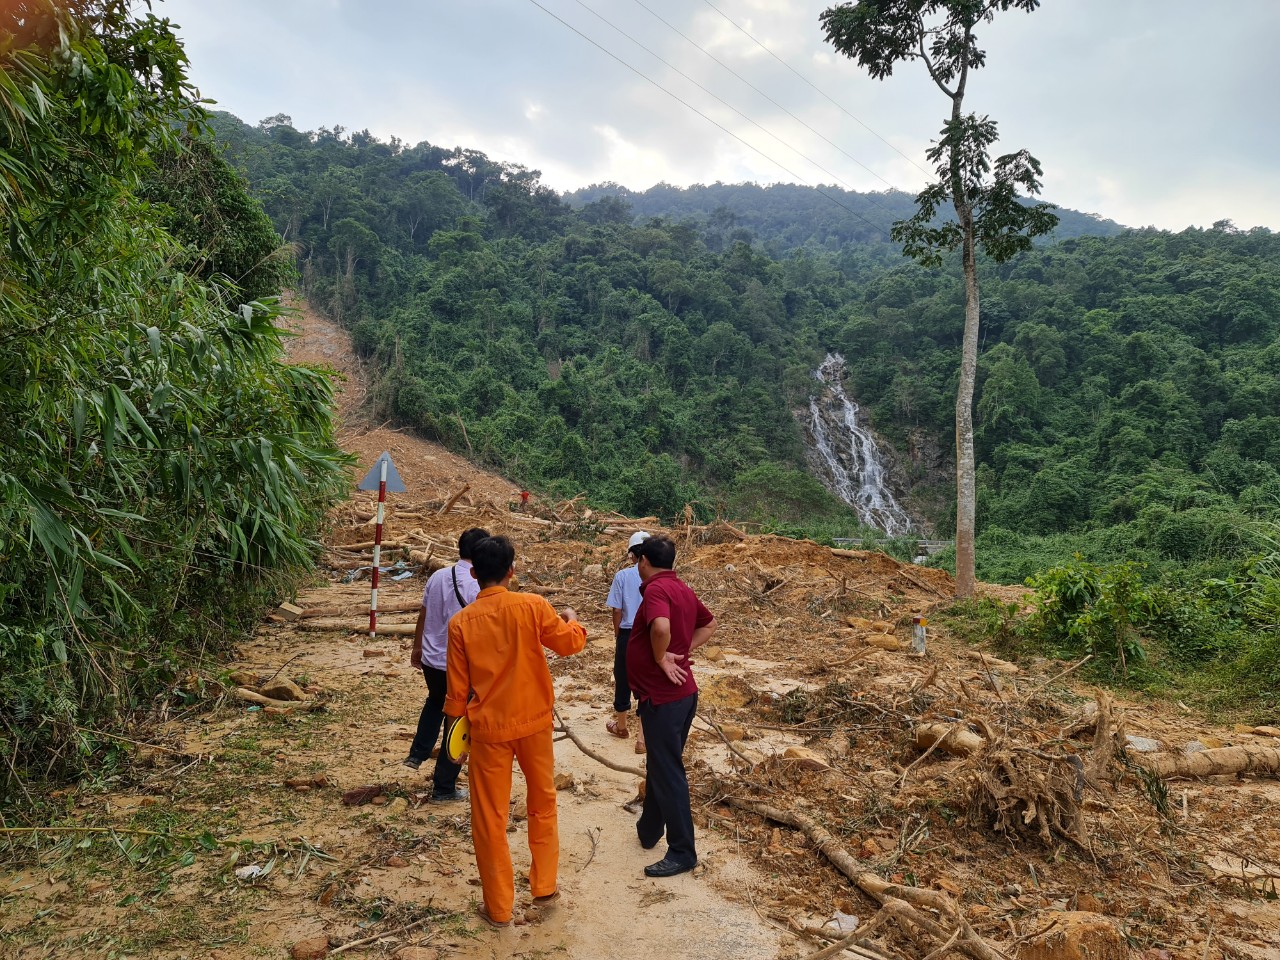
x=710, y=120
x=724, y=65
x=838, y=105
x=714, y=96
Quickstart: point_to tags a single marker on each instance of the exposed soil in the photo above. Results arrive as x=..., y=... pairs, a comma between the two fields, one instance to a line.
x=800, y=662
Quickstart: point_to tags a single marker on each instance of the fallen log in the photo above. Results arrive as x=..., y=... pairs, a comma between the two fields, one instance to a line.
x=991, y=663
x=354, y=625
x=369, y=545
x=425, y=557
x=919, y=584
x=898, y=903
x=313, y=612
x=953, y=738
x=454, y=499
x=249, y=696
x=525, y=518
x=1248, y=758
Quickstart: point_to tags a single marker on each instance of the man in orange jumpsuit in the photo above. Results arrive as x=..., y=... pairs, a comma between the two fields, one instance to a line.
x=496, y=659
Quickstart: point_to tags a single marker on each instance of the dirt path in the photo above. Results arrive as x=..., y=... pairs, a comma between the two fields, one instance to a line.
x=421, y=853
x=610, y=908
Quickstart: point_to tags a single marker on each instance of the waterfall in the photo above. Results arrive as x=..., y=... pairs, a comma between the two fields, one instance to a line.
x=850, y=455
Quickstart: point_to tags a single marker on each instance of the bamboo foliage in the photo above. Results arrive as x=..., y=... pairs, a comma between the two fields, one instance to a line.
x=158, y=461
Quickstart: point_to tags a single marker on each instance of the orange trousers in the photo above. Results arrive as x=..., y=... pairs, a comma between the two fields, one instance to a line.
x=489, y=777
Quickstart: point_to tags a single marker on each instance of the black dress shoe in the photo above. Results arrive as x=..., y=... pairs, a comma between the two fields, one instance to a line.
x=666, y=867
x=447, y=796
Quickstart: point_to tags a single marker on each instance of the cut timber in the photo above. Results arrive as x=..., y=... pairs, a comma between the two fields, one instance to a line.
x=953, y=738
x=289, y=611
x=1248, y=758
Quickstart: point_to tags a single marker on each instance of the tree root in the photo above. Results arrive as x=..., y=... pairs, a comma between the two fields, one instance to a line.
x=1025, y=791
x=928, y=918
x=562, y=727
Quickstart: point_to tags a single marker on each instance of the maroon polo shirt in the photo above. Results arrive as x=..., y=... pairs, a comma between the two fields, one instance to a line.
x=665, y=595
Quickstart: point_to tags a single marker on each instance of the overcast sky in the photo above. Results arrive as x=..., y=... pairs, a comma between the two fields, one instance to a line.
x=1148, y=112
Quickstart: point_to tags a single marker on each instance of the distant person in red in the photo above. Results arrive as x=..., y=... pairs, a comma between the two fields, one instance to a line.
x=524, y=500
x=670, y=624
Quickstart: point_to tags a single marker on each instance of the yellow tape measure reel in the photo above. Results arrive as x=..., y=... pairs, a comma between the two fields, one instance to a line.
x=457, y=738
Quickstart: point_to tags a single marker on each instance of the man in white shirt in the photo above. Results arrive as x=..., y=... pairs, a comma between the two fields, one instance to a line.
x=448, y=590
x=623, y=602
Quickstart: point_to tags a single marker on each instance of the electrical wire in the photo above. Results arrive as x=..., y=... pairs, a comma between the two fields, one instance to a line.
x=725, y=66
x=837, y=104
x=749, y=120
x=711, y=120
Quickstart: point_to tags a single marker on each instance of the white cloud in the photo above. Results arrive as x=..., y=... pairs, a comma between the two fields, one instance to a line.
x=1147, y=112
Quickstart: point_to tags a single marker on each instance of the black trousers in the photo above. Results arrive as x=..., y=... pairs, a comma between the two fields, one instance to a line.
x=621, y=689
x=430, y=721
x=666, y=795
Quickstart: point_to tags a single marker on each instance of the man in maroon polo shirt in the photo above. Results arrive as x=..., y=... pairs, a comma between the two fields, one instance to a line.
x=670, y=624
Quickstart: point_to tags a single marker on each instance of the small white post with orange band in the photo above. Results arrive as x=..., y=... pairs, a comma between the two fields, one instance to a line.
x=384, y=477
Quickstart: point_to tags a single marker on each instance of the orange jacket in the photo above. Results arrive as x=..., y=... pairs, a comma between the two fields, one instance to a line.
x=495, y=650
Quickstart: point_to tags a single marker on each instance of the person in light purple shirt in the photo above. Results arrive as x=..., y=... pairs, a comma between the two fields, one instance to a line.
x=447, y=591
x=623, y=602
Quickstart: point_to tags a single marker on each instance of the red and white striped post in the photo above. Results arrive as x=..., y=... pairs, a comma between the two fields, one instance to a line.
x=377, y=548
x=385, y=478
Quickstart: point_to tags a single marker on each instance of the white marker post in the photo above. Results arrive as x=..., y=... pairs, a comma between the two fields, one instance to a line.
x=383, y=477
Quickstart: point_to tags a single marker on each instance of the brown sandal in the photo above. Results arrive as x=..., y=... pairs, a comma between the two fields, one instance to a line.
x=484, y=915
x=620, y=732
x=640, y=747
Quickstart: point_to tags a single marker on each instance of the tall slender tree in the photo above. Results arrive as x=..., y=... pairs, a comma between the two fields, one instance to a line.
x=879, y=35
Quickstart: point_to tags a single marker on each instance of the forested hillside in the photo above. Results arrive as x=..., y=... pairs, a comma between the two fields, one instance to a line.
x=1126, y=393
x=160, y=469
x=782, y=217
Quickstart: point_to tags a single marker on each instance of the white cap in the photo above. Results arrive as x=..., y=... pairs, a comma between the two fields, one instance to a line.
x=637, y=538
